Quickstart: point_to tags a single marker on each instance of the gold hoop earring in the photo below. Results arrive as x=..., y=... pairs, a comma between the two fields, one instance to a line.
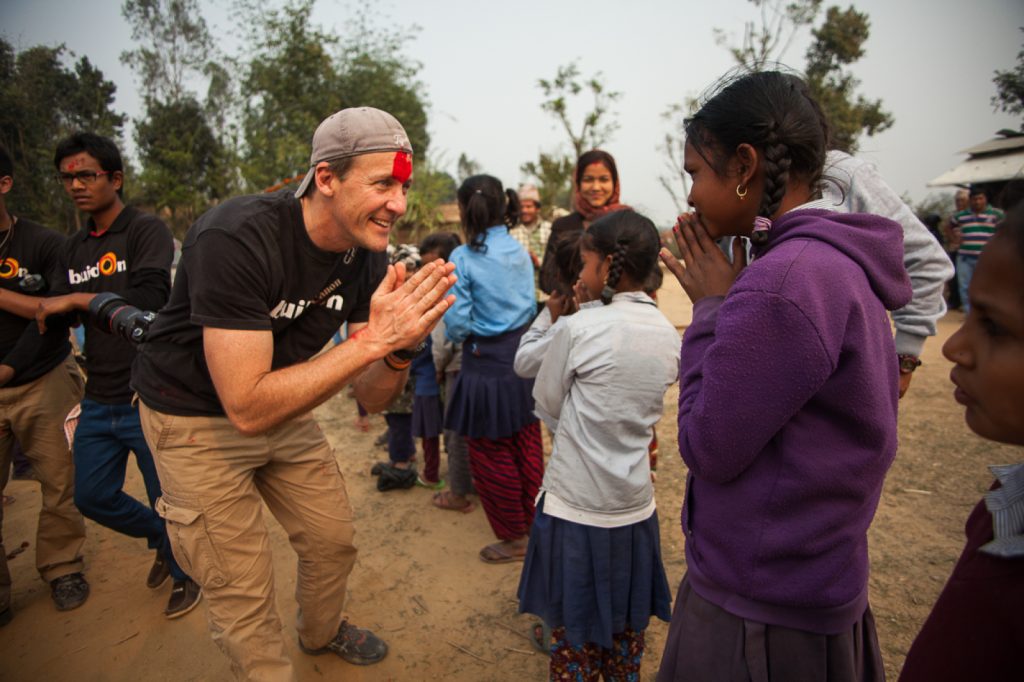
x=742, y=195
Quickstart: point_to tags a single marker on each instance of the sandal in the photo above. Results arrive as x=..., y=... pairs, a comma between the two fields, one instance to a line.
x=443, y=500
x=498, y=554
x=424, y=483
x=540, y=638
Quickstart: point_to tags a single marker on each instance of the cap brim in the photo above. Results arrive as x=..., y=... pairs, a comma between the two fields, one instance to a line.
x=306, y=182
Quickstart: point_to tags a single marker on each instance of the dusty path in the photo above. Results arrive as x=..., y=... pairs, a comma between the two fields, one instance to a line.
x=419, y=583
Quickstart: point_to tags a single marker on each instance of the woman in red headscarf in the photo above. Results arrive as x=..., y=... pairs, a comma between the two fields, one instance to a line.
x=595, y=193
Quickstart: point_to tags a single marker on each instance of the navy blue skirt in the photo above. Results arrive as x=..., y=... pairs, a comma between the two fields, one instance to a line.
x=595, y=582
x=488, y=400
x=426, y=416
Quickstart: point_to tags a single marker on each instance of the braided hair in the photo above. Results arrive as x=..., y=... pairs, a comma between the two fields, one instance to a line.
x=775, y=113
x=632, y=241
x=483, y=205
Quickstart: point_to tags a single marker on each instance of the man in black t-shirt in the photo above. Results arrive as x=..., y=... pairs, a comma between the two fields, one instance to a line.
x=230, y=373
x=39, y=386
x=127, y=252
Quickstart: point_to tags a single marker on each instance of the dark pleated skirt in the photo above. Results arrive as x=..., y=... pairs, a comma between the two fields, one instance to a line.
x=594, y=582
x=488, y=400
x=706, y=642
x=427, y=420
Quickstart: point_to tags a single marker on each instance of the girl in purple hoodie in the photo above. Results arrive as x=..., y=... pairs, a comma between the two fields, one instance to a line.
x=788, y=395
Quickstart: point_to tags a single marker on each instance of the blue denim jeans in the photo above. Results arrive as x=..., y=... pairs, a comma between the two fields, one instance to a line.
x=105, y=435
x=965, y=271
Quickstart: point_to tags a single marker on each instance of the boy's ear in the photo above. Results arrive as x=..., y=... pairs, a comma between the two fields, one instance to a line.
x=747, y=160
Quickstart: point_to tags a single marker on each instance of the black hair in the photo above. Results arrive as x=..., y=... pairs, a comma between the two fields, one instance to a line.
x=485, y=204
x=6, y=163
x=441, y=242
x=100, y=148
x=775, y=113
x=567, y=261
x=596, y=156
x=633, y=243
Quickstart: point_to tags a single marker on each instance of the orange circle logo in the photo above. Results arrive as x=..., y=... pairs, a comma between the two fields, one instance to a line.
x=9, y=268
x=108, y=264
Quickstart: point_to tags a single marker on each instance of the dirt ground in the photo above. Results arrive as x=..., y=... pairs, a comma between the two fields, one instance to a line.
x=419, y=584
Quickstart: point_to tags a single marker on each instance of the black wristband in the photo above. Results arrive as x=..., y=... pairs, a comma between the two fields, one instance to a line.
x=408, y=354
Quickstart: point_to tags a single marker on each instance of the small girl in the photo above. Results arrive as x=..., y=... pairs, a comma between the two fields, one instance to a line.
x=427, y=413
x=787, y=399
x=489, y=405
x=593, y=570
x=975, y=630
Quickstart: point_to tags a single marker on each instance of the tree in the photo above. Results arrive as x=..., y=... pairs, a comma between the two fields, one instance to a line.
x=839, y=42
x=770, y=39
x=1009, y=95
x=431, y=187
x=43, y=102
x=185, y=163
x=182, y=160
x=553, y=173
x=297, y=74
x=598, y=123
x=466, y=167
x=675, y=181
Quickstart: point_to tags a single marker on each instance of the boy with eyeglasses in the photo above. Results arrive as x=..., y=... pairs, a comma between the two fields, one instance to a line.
x=127, y=252
x=39, y=386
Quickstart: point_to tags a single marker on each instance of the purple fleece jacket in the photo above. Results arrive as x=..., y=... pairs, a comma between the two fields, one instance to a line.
x=787, y=421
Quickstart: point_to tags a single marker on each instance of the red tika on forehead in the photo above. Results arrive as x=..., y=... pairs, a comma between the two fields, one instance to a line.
x=402, y=168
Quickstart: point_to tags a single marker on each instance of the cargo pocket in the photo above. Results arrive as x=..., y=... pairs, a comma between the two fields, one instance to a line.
x=190, y=539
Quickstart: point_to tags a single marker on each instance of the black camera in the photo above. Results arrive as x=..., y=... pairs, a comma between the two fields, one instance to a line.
x=113, y=314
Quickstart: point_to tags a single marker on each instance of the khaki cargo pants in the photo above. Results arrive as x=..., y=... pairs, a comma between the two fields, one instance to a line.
x=215, y=482
x=34, y=414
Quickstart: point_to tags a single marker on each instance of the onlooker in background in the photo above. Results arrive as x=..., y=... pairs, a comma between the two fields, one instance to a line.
x=447, y=363
x=532, y=231
x=399, y=471
x=973, y=227
x=490, y=405
x=961, y=201
x=595, y=192
x=975, y=630
x=125, y=252
x=39, y=385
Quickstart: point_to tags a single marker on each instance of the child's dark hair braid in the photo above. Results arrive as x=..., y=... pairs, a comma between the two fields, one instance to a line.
x=614, y=271
x=633, y=243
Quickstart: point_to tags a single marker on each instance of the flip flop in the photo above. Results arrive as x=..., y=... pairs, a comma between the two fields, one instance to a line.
x=443, y=500
x=496, y=554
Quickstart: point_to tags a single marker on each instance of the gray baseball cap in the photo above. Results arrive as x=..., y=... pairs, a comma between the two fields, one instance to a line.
x=351, y=132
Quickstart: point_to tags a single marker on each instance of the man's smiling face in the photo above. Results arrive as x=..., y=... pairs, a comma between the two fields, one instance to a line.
x=369, y=199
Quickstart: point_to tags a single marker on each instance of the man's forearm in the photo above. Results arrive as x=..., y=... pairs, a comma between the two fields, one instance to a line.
x=378, y=386
x=19, y=304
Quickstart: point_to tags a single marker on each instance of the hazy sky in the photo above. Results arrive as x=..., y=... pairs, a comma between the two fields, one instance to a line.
x=930, y=62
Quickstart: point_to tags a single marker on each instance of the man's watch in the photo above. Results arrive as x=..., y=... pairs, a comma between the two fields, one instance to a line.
x=908, y=363
x=407, y=354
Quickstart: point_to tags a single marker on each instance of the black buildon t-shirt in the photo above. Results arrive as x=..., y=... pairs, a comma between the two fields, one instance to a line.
x=27, y=250
x=249, y=264
x=132, y=258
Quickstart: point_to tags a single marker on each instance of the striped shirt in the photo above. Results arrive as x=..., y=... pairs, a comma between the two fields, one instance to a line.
x=976, y=229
